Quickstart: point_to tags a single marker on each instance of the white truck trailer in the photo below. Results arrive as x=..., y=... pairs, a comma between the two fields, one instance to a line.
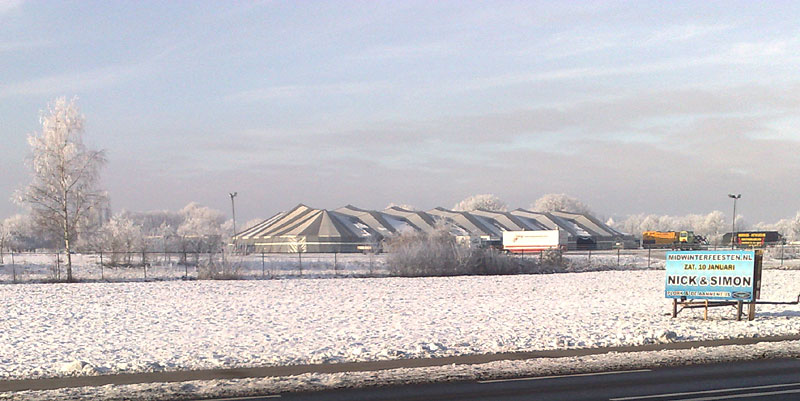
x=534, y=241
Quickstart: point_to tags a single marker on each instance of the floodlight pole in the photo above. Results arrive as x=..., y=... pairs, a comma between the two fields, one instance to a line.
x=733, y=225
x=233, y=209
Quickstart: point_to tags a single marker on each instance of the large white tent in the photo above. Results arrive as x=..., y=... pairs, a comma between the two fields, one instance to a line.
x=352, y=229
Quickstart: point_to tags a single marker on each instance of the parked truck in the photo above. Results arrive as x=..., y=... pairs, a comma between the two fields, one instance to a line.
x=672, y=239
x=534, y=241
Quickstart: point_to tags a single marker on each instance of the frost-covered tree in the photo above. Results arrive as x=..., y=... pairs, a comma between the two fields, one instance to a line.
x=153, y=221
x=64, y=190
x=483, y=201
x=401, y=206
x=789, y=228
x=202, y=229
x=4, y=235
x=251, y=223
x=559, y=203
x=120, y=236
x=22, y=235
x=712, y=225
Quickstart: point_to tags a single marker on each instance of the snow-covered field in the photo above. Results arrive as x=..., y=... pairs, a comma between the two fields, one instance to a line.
x=58, y=329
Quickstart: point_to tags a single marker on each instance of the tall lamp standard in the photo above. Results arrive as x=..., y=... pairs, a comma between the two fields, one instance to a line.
x=233, y=209
x=733, y=227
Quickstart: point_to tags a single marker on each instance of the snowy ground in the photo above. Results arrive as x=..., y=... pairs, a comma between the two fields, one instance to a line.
x=58, y=329
x=317, y=382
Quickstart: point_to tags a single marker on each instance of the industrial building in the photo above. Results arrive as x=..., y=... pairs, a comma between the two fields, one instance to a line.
x=352, y=229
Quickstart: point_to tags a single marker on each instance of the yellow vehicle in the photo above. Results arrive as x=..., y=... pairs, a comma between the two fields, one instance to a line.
x=672, y=239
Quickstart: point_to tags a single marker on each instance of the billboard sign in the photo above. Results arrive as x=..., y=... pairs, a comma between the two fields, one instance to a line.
x=712, y=275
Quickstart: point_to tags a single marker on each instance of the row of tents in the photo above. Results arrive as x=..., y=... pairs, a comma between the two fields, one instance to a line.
x=351, y=229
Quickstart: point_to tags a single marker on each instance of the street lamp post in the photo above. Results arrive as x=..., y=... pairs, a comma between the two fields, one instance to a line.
x=233, y=210
x=733, y=226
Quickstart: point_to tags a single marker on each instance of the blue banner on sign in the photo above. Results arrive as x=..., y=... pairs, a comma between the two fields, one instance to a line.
x=713, y=275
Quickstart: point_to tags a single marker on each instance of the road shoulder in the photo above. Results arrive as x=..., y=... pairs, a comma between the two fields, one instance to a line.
x=225, y=382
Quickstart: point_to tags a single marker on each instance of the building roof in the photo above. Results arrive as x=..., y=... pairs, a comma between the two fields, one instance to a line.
x=350, y=224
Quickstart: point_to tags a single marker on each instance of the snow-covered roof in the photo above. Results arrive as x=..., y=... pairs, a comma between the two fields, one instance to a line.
x=352, y=225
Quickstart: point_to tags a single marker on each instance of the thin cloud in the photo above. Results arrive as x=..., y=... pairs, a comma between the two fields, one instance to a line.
x=689, y=116
x=24, y=45
x=681, y=33
x=740, y=54
x=9, y=5
x=576, y=42
x=298, y=91
x=408, y=51
x=74, y=82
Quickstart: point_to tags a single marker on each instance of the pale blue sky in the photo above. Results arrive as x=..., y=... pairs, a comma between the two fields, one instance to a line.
x=633, y=107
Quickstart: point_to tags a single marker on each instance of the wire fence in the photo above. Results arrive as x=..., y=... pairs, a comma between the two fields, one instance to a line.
x=150, y=266
x=16, y=267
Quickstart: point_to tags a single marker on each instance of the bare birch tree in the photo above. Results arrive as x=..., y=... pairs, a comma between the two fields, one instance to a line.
x=64, y=191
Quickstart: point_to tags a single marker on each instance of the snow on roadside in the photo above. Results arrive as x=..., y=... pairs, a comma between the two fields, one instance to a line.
x=62, y=329
x=493, y=370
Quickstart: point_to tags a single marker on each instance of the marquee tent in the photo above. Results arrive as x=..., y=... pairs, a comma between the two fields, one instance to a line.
x=351, y=229
x=305, y=229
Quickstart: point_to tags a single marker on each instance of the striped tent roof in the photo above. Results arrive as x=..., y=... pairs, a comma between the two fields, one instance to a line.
x=249, y=232
x=471, y=224
x=351, y=229
x=416, y=219
x=373, y=219
x=304, y=221
x=549, y=221
x=506, y=221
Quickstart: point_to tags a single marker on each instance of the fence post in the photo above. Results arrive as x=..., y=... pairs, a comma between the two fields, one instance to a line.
x=617, y=257
x=13, y=267
x=58, y=266
x=335, y=267
x=590, y=256
x=102, y=274
x=300, y=262
x=144, y=267
x=262, y=264
x=782, y=245
x=648, y=257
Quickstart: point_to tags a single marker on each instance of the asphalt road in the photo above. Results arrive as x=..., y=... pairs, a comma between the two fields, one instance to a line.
x=750, y=380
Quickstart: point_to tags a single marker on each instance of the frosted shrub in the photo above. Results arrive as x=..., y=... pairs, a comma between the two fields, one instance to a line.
x=553, y=262
x=437, y=254
x=421, y=254
x=228, y=270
